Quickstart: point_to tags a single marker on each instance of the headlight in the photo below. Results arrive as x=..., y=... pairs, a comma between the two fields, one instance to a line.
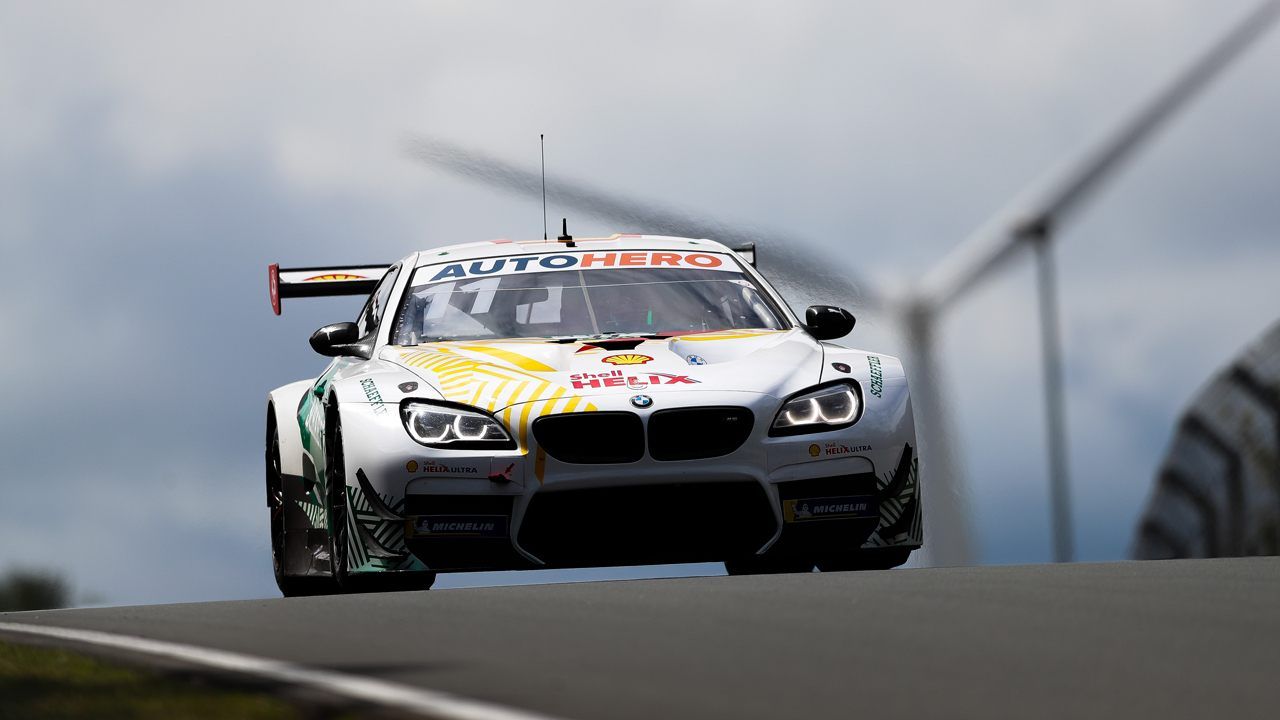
x=827, y=408
x=445, y=426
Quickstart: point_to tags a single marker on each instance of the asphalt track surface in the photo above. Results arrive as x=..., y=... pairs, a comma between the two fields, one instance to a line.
x=1170, y=639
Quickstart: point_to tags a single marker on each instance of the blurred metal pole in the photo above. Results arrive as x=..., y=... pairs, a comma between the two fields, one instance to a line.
x=1054, y=398
x=946, y=506
x=993, y=244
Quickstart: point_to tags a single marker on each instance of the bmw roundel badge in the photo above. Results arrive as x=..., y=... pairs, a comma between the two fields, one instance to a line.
x=696, y=360
x=641, y=401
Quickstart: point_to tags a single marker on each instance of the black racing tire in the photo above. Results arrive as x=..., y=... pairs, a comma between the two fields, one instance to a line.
x=290, y=585
x=767, y=565
x=872, y=559
x=335, y=475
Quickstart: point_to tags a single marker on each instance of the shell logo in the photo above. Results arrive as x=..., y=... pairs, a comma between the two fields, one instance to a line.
x=336, y=276
x=627, y=359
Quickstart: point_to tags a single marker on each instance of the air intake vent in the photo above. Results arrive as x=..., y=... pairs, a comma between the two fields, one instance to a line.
x=647, y=524
x=591, y=438
x=693, y=433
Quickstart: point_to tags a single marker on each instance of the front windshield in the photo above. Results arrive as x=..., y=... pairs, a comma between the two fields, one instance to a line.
x=455, y=302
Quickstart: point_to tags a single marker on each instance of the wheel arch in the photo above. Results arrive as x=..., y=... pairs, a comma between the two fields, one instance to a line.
x=282, y=405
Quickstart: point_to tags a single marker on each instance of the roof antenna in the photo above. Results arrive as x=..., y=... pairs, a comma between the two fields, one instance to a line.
x=542, y=142
x=566, y=238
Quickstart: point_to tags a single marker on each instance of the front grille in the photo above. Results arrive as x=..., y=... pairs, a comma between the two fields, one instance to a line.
x=702, y=432
x=591, y=438
x=647, y=524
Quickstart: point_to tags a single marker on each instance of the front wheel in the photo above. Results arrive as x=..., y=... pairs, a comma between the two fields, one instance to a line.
x=335, y=477
x=278, y=505
x=871, y=559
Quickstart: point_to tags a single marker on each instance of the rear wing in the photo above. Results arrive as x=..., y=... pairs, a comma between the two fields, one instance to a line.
x=322, y=281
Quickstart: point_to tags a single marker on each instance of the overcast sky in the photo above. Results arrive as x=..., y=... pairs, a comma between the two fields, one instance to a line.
x=154, y=158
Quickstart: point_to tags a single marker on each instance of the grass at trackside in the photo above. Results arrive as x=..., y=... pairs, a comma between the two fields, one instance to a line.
x=40, y=683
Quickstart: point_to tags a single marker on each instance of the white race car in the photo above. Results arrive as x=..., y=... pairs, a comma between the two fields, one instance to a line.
x=607, y=401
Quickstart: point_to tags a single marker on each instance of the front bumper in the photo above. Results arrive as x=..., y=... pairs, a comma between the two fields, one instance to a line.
x=832, y=491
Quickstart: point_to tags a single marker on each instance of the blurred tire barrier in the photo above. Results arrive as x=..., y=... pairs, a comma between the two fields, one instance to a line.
x=1217, y=493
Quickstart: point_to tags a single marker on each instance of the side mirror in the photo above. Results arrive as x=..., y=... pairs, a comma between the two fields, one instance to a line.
x=340, y=339
x=826, y=322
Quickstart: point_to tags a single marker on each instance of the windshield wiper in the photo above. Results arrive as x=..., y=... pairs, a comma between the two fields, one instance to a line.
x=616, y=335
x=600, y=336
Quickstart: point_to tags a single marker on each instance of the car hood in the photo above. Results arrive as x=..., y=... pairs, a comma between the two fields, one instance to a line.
x=499, y=374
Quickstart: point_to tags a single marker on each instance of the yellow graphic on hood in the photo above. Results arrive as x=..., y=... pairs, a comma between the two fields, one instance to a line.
x=727, y=335
x=523, y=397
x=513, y=358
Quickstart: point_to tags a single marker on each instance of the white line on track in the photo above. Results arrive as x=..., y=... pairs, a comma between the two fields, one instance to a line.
x=370, y=690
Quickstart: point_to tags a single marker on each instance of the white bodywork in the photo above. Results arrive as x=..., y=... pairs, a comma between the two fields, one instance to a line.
x=521, y=380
